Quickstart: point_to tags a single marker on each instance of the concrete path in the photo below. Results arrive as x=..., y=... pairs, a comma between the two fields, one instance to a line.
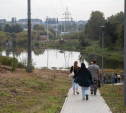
x=75, y=104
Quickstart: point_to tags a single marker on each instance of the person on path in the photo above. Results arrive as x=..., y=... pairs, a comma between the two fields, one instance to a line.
x=7, y=44
x=94, y=69
x=118, y=76
x=84, y=80
x=75, y=69
x=104, y=79
x=113, y=79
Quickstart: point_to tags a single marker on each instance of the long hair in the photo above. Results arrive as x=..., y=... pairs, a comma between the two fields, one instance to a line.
x=83, y=67
x=75, y=65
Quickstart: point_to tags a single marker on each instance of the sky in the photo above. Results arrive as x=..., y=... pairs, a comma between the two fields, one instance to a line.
x=79, y=9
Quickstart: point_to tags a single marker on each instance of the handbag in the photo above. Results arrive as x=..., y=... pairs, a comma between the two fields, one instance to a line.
x=71, y=75
x=99, y=84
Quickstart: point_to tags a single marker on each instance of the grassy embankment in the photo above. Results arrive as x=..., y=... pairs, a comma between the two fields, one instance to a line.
x=114, y=97
x=42, y=91
x=108, y=54
x=73, y=45
x=109, y=72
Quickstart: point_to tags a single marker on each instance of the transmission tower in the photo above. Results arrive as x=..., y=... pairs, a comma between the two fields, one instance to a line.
x=66, y=18
x=47, y=28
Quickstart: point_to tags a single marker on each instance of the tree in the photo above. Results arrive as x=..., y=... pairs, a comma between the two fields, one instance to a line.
x=17, y=28
x=13, y=35
x=93, y=29
x=114, y=30
x=38, y=27
x=7, y=28
x=3, y=36
x=81, y=27
x=51, y=36
x=13, y=20
x=1, y=28
x=13, y=28
x=82, y=39
x=52, y=31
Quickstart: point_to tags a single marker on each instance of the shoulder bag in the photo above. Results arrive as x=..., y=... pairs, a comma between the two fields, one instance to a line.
x=71, y=75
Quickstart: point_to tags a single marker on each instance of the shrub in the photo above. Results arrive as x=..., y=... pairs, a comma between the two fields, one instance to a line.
x=14, y=63
x=5, y=60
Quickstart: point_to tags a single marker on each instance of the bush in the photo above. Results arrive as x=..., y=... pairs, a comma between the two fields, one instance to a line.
x=14, y=63
x=5, y=60
x=61, y=41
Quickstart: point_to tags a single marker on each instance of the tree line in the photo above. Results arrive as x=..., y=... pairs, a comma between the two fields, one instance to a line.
x=113, y=31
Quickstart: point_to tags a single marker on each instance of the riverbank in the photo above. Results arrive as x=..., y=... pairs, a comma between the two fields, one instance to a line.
x=108, y=54
x=73, y=45
x=40, y=91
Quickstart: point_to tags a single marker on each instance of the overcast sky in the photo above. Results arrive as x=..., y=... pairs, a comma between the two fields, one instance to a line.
x=79, y=9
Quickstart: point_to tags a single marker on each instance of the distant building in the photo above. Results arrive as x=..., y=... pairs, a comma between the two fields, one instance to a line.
x=62, y=22
x=33, y=21
x=2, y=20
x=82, y=22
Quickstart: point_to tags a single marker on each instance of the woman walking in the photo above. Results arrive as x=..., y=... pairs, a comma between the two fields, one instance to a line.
x=75, y=69
x=84, y=80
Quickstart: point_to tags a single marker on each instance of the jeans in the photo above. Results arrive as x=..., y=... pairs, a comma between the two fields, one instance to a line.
x=94, y=87
x=74, y=84
x=85, y=91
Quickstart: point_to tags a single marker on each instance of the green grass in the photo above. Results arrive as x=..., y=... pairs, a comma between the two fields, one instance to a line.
x=112, y=55
x=43, y=91
x=114, y=97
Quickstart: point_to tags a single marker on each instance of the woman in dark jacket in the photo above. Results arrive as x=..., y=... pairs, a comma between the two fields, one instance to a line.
x=84, y=80
x=75, y=69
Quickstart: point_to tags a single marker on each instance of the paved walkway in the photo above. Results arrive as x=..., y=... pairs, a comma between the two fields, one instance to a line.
x=75, y=104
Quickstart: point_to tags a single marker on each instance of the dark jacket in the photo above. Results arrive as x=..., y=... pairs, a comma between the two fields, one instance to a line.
x=75, y=71
x=84, y=78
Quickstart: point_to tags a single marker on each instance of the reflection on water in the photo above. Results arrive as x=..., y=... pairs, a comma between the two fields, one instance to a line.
x=49, y=58
x=57, y=58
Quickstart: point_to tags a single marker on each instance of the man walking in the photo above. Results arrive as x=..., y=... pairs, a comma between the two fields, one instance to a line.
x=118, y=76
x=94, y=69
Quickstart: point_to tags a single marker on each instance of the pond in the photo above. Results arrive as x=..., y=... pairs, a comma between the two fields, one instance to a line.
x=58, y=58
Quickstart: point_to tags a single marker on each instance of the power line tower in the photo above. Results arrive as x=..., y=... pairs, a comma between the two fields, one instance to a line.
x=56, y=27
x=47, y=28
x=71, y=24
x=66, y=18
x=29, y=66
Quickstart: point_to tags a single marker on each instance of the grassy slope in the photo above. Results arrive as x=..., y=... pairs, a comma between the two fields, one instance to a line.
x=42, y=91
x=114, y=97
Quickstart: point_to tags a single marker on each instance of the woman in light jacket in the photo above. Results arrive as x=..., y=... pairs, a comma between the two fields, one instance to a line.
x=84, y=80
x=75, y=69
